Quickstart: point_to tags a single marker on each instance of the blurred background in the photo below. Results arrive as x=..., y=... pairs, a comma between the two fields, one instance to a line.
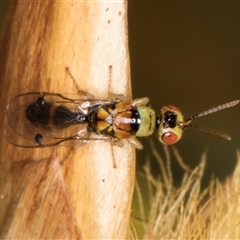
x=188, y=54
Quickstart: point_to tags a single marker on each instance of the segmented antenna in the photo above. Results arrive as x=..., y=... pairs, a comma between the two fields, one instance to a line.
x=215, y=109
x=187, y=123
x=211, y=130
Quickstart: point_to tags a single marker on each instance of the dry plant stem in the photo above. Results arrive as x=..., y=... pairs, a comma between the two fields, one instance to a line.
x=188, y=212
x=85, y=197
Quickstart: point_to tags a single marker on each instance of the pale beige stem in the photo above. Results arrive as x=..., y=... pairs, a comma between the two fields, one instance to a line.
x=85, y=197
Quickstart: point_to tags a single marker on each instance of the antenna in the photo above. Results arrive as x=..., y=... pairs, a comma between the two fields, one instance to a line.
x=188, y=123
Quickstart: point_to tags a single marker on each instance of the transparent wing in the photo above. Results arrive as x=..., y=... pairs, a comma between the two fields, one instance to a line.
x=20, y=131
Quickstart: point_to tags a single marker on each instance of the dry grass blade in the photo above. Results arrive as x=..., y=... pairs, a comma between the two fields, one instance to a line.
x=187, y=213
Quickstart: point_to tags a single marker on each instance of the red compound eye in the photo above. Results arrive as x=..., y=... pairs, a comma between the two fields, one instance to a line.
x=174, y=108
x=170, y=138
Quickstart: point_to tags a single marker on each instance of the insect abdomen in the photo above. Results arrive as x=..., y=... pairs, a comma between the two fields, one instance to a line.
x=38, y=113
x=64, y=117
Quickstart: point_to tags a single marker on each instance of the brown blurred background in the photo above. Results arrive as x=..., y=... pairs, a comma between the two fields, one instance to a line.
x=188, y=54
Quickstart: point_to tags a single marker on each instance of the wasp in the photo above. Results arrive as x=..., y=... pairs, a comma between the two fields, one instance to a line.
x=43, y=119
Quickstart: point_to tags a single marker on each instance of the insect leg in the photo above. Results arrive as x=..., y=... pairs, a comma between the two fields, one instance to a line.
x=113, y=157
x=80, y=92
x=140, y=102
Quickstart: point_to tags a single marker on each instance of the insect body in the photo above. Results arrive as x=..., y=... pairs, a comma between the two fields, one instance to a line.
x=49, y=119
